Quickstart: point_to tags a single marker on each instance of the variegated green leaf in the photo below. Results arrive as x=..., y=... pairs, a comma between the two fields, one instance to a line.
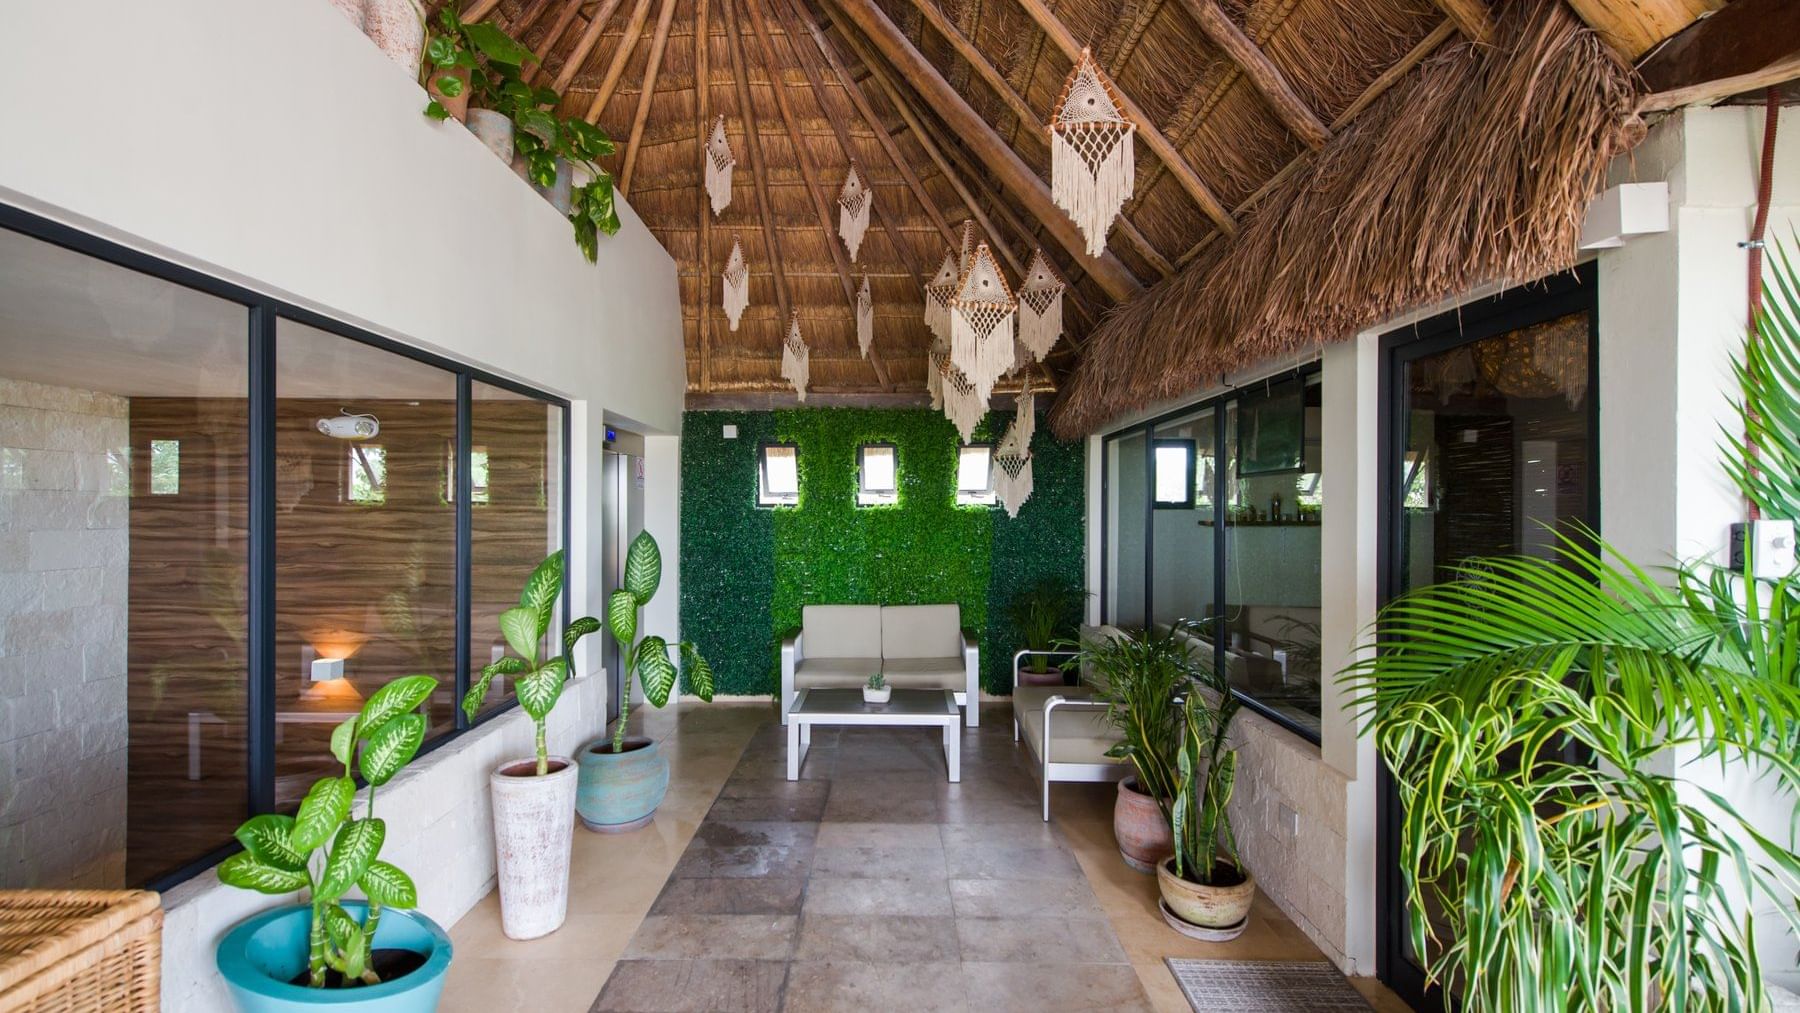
x=699, y=674
x=392, y=747
x=269, y=839
x=542, y=589
x=621, y=617
x=325, y=807
x=242, y=870
x=341, y=927
x=394, y=699
x=643, y=567
x=507, y=666
x=538, y=692
x=572, y=635
x=520, y=627
x=352, y=851
x=388, y=886
x=655, y=671
x=343, y=741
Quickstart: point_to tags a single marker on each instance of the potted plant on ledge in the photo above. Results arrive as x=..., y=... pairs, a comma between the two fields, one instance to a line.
x=623, y=780
x=1206, y=891
x=370, y=954
x=1141, y=677
x=534, y=799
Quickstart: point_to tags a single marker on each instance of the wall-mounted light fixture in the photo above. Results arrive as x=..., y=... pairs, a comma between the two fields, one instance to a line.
x=327, y=669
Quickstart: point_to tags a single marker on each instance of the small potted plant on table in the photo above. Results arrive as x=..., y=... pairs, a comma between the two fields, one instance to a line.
x=877, y=690
x=370, y=954
x=1206, y=891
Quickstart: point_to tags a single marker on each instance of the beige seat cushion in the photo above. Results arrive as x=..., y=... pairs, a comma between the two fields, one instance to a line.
x=921, y=631
x=841, y=631
x=926, y=673
x=834, y=673
x=1078, y=736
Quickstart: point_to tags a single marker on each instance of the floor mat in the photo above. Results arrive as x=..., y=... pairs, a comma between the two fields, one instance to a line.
x=1264, y=986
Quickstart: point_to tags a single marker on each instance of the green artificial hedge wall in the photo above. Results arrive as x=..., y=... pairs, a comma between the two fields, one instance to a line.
x=747, y=570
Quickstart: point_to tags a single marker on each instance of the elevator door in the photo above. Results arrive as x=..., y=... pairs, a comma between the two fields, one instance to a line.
x=622, y=518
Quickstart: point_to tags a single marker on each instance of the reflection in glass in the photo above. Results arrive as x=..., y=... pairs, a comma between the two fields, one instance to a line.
x=1183, y=574
x=1127, y=491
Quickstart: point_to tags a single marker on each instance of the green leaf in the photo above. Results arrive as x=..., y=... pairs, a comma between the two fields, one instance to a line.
x=520, y=627
x=325, y=807
x=392, y=747
x=508, y=666
x=699, y=673
x=449, y=85
x=435, y=110
x=539, y=691
x=355, y=847
x=621, y=617
x=572, y=635
x=643, y=568
x=388, y=886
x=655, y=671
x=542, y=589
x=269, y=838
x=344, y=931
x=398, y=697
x=441, y=51
x=343, y=741
x=538, y=123
x=496, y=45
x=243, y=871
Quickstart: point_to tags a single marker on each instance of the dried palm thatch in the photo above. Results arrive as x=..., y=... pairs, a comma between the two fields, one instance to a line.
x=1477, y=169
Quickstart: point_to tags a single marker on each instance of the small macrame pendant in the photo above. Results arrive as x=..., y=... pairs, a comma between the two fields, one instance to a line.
x=719, y=161
x=1092, y=164
x=795, y=358
x=1025, y=415
x=938, y=293
x=737, y=284
x=1012, y=458
x=935, y=361
x=1040, y=307
x=981, y=323
x=963, y=404
x=853, y=211
x=865, y=317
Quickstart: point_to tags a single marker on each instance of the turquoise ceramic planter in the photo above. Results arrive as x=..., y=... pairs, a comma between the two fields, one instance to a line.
x=262, y=954
x=620, y=791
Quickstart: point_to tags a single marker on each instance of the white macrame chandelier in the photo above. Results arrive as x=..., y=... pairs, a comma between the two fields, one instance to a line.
x=1092, y=164
x=737, y=284
x=963, y=404
x=795, y=359
x=1012, y=458
x=966, y=248
x=853, y=211
x=1040, y=307
x=719, y=161
x=981, y=323
x=935, y=361
x=938, y=293
x=865, y=317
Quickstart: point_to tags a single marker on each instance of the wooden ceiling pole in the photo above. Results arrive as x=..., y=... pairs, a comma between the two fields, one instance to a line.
x=702, y=201
x=585, y=45
x=478, y=10
x=627, y=42
x=1018, y=178
x=554, y=36
x=809, y=172
x=1750, y=44
x=526, y=18
x=863, y=109
x=1262, y=72
x=1472, y=18
x=1633, y=26
x=1148, y=131
x=647, y=93
x=753, y=141
x=789, y=27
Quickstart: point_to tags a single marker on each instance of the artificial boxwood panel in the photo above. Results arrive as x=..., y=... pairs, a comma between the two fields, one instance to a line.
x=828, y=550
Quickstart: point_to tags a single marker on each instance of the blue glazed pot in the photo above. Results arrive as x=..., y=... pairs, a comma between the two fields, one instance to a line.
x=263, y=953
x=620, y=791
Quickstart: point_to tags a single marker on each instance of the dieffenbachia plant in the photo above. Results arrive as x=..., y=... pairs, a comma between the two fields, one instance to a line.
x=284, y=854
x=648, y=658
x=537, y=677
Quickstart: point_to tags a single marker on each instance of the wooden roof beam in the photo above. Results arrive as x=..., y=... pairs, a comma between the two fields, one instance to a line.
x=646, y=93
x=1633, y=26
x=1267, y=78
x=1750, y=44
x=1148, y=131
x=1472, y=18
x=527, y=18
x=585, y=44
x=1002, y=161
x=702, y=200
x=633, y=31
x=555, y=34
x=753, y=141
x=809, y=171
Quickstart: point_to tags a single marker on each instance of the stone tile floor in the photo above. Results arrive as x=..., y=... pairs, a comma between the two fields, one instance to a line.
x=870, y=884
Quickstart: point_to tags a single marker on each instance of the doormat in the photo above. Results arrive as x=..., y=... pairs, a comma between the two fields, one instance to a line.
x=1264, y=986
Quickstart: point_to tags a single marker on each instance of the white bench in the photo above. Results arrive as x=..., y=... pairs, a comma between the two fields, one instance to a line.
x=1066, y=729
x=912, y=646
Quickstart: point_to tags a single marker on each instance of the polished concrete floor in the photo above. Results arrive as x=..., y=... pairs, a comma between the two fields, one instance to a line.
x=871, y=883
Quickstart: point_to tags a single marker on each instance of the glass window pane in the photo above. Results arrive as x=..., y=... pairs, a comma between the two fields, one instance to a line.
x=123, y=469
x=1174, y=476
x=878, y=469
x=974, y=466
x=515, y=514
x=1127, y=490
x=1182, y=574
x=365, y=544
x=780, y=475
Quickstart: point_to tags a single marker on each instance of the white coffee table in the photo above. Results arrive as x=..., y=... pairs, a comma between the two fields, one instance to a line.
x=922, y=707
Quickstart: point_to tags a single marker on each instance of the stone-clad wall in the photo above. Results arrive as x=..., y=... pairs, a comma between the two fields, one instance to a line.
x=64, y=507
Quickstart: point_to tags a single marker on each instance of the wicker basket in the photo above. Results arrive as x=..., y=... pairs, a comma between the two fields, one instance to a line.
x=63, y=951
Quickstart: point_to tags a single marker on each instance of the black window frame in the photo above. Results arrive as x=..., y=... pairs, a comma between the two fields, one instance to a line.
x=263, y=312
x=1192, y=448
x=881, y=497
x=764, y=500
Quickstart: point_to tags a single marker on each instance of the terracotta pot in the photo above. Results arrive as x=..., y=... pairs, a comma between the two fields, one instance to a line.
x=534, y=833
x=1142, y=832
x=620, y=791
x=397, y=27
x=1209, y=907
x=458, y=107
x=495, y=130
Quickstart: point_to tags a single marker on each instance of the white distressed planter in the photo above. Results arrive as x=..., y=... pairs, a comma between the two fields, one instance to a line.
x=397, y=27
x=534, y=832
x=882, y=695
x=495, y=130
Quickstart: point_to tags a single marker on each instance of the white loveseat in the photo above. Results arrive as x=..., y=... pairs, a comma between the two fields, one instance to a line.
x=912, y=646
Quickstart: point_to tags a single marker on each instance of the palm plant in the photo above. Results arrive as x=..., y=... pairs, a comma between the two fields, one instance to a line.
x=1142, y=676
x=1528, y=710
x=1040, y=613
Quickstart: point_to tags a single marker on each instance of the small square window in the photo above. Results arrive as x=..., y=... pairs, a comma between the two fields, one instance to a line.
x=1173, y=470
x=478, y=474
x=778, y=480
x=975, y=475
x=165, y=467
x=878, y=478
x=368, y=474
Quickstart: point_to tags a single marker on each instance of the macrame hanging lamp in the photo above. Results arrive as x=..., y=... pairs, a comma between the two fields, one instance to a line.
x=1012, y=458
x=963, y=404
x=795, y=359
x=981, y=323
x=1040, y=307
x=936, y=359
x=966, y=248
x=853, y=211
x=938, y=293
x=1092, y=164
x=737, y=284
x=719, y=161
x=865, y=317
